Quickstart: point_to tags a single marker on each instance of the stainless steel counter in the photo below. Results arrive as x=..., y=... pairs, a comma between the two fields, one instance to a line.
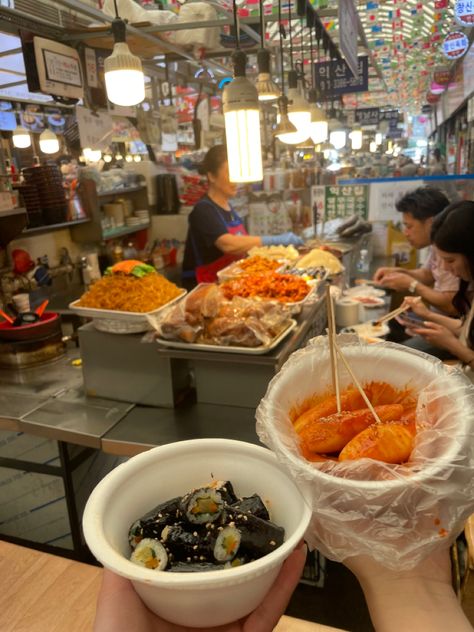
x=48, y=401
x=143, y=428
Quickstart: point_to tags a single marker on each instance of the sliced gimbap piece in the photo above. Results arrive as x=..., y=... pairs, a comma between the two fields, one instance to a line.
x=150, y=554
x=200, y=567
x=254, y=505
x=226, y=490
x=227, y=544
x=187, y=546
x=202, y=505
x=257, y=537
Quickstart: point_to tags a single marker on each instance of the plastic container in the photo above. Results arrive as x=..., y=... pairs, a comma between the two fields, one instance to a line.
x=195, y=599
x=363, y=263
x=397, y=514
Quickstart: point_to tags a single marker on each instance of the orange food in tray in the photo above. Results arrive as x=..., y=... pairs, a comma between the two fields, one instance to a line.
x=258, y=265
x=354, y=433
x=284, y=288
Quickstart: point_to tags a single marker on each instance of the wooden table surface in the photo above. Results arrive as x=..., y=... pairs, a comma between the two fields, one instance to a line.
x=46, y=593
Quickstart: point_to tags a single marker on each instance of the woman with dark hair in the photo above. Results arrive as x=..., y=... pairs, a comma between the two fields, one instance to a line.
x=452, y=234
x=216, y=234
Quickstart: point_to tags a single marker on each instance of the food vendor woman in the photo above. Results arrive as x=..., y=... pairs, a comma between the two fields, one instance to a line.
x=216, y=234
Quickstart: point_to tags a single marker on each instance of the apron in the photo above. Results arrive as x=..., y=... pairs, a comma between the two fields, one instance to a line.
x=207, y=273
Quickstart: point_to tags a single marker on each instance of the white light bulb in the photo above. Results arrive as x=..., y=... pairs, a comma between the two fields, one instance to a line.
x=107, y=158
x=302, y=121
x=242, y=130
x=137, y=158
x=92, y=155
x=338, y=138
x=129, y=158
x=48, y=142
x=124, y=78
x=373, y=147
x=378, y=138
x=319, y=132
x=21, y=137
x=118, y=157
x=356, y=139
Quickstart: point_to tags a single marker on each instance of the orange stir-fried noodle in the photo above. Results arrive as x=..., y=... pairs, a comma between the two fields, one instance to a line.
x=285, y=288
x=258, y=265
x=126, y=293
x=324, y=434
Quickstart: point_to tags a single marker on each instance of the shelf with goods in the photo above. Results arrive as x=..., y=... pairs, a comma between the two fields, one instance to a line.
x=92, y=200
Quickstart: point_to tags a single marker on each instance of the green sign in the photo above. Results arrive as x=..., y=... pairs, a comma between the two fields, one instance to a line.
x=346, y=200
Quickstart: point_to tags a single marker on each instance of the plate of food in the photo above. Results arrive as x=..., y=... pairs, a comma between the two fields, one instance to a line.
x=320, y=258
x=368, y=301
x=369, y=329
x=279, y=253
x=255, y=264
x=365, y=290
x=282, y=288
x=128, y=292
x=206, y=320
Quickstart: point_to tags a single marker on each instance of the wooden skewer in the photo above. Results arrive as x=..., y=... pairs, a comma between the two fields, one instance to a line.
x=357, y=383
x=332, y=344
x=392, y=314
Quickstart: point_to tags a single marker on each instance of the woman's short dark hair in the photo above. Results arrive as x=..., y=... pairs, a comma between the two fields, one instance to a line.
x=423, y=203
x=213, y=160
x=453, y=232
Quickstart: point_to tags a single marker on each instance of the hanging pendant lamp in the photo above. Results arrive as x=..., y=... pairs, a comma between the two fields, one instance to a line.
x=319, y=126
x=242, y=121
x=267, y=89
x=48, y=142
x=284, y=125
x=123, y=71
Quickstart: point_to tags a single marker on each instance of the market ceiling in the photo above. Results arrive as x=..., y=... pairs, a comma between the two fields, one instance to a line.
x=402, y=38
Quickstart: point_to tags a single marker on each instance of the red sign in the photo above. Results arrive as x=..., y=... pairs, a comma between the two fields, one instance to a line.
x=441, y=76
x=432, y=98
x=441, y=4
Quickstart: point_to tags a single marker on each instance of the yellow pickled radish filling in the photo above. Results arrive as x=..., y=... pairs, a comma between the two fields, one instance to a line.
x=204, y=506
x=229, y=544
x=147, y=556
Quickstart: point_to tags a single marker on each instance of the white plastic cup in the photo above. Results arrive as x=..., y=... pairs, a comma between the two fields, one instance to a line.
x=205, y=599
x=22, y=302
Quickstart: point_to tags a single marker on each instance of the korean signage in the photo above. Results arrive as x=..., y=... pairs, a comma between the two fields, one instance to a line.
x=342, y=201
x=464, y=12
x=334, y=78
x=374, y=116
x=455, y=45
x=348, y=33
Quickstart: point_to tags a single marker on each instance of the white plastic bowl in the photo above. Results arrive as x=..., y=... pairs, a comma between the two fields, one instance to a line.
x=196, y=599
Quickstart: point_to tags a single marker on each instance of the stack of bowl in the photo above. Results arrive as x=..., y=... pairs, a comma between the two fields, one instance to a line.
x=49, y=183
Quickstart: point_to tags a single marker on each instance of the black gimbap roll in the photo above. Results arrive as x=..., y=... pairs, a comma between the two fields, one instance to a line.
x=226, y=490
x=254, y=505
x=257, y=537
x=202, y=505
x=200, y=567
x=152, y=523
x=186, y=546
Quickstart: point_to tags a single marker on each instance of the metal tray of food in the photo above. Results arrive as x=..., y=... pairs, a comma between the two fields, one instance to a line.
x=129, y=317
x=234, y=270
x=174, y=344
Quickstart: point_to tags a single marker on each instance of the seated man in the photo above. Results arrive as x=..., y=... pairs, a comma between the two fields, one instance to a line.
x=436, y=286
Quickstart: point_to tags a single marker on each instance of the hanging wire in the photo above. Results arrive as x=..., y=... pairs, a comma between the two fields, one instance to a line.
x=311, y=52
x=262, y=26
x=280, y=23
x=303, y=78
x=236, y=25
x=116, y=9
x=291, y=35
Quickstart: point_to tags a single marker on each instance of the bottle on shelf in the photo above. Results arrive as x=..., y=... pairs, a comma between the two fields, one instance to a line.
x=363, y=263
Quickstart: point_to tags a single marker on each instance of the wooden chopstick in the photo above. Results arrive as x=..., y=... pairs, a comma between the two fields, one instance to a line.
x=357, y=383
x=392, y=314
x=332, y=344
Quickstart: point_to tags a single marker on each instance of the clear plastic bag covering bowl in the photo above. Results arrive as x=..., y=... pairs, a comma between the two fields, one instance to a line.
x=398, y=514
